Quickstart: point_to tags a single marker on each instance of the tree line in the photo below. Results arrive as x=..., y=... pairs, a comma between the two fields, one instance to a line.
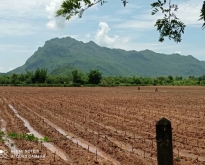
x=40, y=77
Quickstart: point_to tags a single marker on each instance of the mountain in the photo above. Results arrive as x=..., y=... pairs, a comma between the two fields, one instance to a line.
x=66, y=70
x=58, y=55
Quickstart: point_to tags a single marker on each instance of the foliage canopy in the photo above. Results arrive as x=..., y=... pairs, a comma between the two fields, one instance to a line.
x=94, y=77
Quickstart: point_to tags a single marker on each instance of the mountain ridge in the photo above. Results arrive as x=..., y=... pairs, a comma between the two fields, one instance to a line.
x=68, y=52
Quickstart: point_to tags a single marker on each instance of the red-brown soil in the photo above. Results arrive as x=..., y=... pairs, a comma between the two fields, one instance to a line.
x=119, y=121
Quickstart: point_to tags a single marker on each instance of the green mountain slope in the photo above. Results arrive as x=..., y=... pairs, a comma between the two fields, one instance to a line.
x=66, y=70
x=67, y=53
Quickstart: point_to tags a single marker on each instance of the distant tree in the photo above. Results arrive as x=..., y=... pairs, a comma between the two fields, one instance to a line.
x=40, y=75
x=202, y=82
x=50, y=80
x=169, y=26
x=77, y=77
x=178, y=78
x=192, y=77
x=94, y=77
x=136, y=80
x=14, y=79
x=29, y=77
x=160, y=80
x=154, y=82
x=5, y=79
x=170, y=78
x=21, y=78
x=201, y=78
x=146, y=81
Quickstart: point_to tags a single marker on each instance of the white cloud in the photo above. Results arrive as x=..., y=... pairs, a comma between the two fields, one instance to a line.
x=87, y=35
x=102, y=37
x=69, y=35
x=144, y=21
x=189, y=12
x=15, y=28
x=11, y=69
x=179, y=52
x=55, y=22
x=129, y=9
x=60, y=22
x=18, y=17
x=16, y=47
x=94, y=7
x=137, y=24
x=22, y=8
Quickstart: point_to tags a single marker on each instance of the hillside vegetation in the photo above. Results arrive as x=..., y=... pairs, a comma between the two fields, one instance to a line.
x=93, y=78
x=61, y=56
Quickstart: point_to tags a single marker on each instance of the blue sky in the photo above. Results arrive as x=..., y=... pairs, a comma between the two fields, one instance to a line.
x=26, y=25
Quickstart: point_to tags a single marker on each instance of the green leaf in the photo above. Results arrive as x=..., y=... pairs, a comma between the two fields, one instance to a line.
x=202, y=15
x=155, y=4
x=12, y=135
x=124, y=2
x=161, y=39
x=203, y=26
x=2, y=133
x=45, y=139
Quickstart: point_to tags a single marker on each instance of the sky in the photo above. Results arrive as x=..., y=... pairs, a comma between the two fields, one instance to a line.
x=26, y=25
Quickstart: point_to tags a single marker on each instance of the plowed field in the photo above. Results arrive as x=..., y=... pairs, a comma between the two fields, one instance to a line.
x=106, y=126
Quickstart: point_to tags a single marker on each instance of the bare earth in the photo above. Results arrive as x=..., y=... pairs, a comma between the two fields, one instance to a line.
x=113, y=125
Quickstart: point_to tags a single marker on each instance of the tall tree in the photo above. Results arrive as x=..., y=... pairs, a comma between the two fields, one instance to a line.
x=94, y=77
x=77, y=77
x=40, y=75
x=14, y=78
x=169, y=26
